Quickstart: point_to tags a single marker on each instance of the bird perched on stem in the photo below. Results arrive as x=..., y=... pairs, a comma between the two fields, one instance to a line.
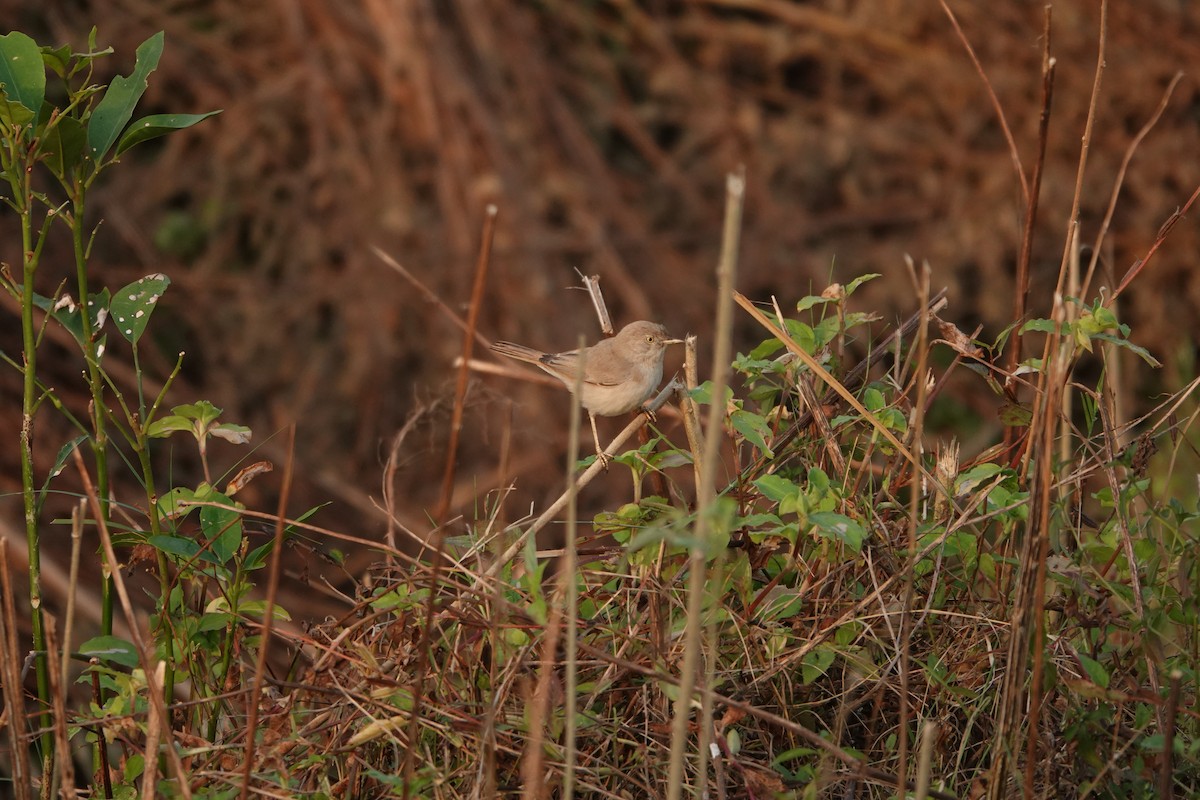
x=619, y=373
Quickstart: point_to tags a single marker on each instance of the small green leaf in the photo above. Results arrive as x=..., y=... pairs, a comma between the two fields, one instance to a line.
x=816, y=663
x=754, y=428
x=1015, y=416
x=972, y=477
x=111, y=649
x=1040, y=325
x=132, y=305
x=64, y=146
x=63, y=454
x=810, y=301
x=873, y=400
x=183, y=548
x=157, y=125
x=236, y=434
x=817, y=483
x=838, y=527
x=702, y=394
x=775, y=488
x=1140, y=352
x=1095, y=671
x=115, y=109
x=223, y=526
x=57, y=59
x=214, y=621
x=859, y=281
x=164, y=427
x=255, y=608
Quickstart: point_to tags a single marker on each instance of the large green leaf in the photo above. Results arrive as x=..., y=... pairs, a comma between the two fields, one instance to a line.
x=115, y=109
x=23, y=76
x=157, y=125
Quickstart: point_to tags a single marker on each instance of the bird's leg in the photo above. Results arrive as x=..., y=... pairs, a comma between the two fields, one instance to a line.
x=604, y=457
x=650, y=415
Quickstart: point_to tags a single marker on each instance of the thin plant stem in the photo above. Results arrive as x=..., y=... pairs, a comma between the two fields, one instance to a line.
x=735, y=190
x=570, y=566
x=260, y=665
x=23, y=196
x=95, y=384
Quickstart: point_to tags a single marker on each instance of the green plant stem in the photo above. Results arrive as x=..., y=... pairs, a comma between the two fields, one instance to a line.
x=29, y=399
x=138, y=425
x=96, y=384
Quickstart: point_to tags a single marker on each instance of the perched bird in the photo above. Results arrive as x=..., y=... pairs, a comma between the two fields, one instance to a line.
x=620, y=373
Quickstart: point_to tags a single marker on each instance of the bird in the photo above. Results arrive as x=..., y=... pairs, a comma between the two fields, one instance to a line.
x=620, y=373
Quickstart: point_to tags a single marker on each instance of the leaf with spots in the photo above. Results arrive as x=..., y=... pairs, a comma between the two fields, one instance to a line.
x=132, y=305
x=67, y=313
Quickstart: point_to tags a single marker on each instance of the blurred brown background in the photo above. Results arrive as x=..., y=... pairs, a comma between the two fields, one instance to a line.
x=603, y=132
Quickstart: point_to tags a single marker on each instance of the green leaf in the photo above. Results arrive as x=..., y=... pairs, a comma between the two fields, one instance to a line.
x=1140, y=352
x=164, y=427
x=214, y=621
x=872, y=400
x=157, y=125
x=132, y=305
x=64, y=146
x=1040, y=325
x=115, y=109
x=810, y=301
x=838, y=527
x=112, y=649
x=180, y=499
x=816, y=663
x=59, y=462
x=817, y=483
x=775, y=488
x=702, y=394
x=57, y=59
x=69, y=315
x=968, y=480
x=202, y=411
x=765, y=349
x=257, y=558
x=223, y=526
x=859, y=281
x=63, y=454
x=1015, y=416
x=754, y=428
x=1095, y=670
x=235, y=434
x=180, y=546
x=23, y=76
x=256, y=608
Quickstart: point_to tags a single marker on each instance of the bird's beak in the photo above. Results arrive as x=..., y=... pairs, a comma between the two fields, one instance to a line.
x=673, y=341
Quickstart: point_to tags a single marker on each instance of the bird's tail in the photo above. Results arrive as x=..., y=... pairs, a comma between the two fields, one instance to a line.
x=518, y=351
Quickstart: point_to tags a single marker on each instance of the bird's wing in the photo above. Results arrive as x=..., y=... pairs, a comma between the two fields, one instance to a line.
x=602, y=368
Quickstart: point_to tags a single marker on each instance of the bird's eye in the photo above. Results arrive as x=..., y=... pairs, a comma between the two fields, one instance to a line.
x=650, y=338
